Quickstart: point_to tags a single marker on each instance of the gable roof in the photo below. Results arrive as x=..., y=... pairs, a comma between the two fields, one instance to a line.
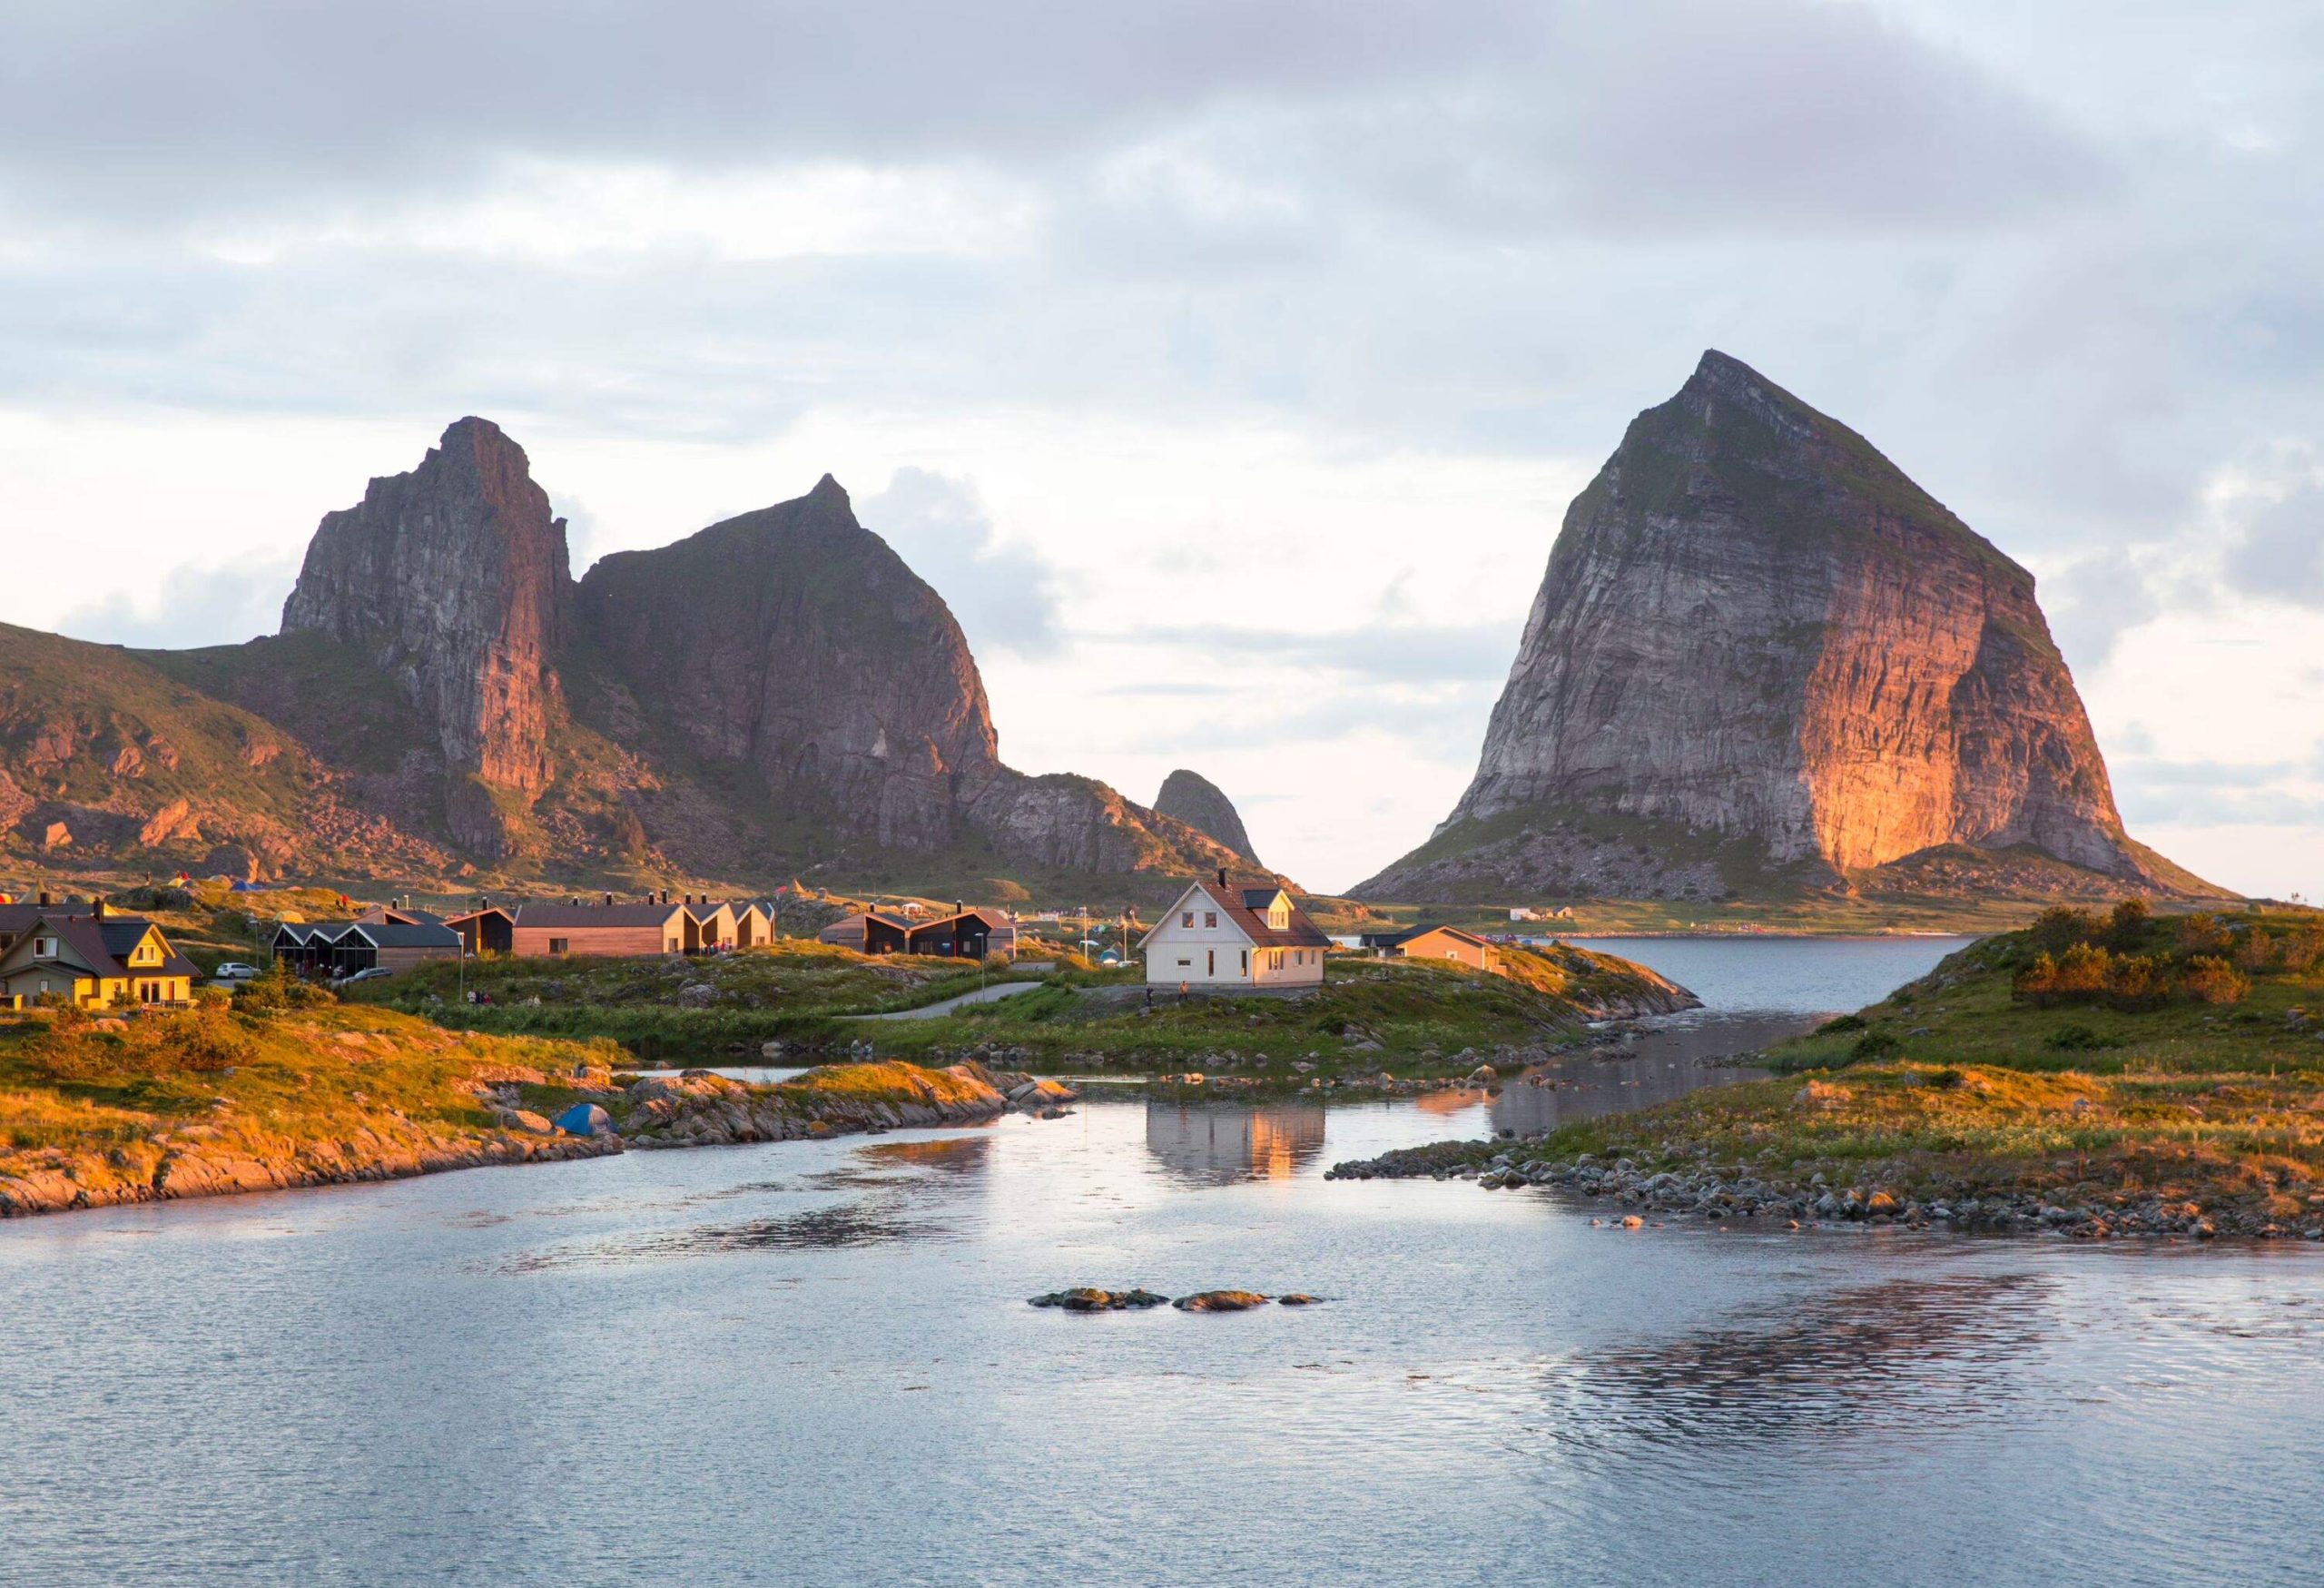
x=583, y=916
x=479, y=912
x=18, y=917
x=1465, y=935
x=103, y=945
x=397, y=935
x=395, y=915
x=1235, y=906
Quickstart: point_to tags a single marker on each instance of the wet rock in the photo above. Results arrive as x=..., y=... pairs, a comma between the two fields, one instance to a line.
x=1089, y=1299
x=1297, y=1298
x=1633, y=1222
x=1220, y=1301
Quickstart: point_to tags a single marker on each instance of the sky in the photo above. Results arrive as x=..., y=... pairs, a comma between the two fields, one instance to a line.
x=1227, y=367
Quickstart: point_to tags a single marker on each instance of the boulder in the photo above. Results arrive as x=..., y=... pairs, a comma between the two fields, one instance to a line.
x=1089, y=1299
x=1220, y=1301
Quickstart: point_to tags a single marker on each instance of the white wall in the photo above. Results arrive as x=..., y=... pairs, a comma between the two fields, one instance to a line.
x=1213, y=954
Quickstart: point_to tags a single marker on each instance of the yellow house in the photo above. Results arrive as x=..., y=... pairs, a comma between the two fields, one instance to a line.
x=97, y=961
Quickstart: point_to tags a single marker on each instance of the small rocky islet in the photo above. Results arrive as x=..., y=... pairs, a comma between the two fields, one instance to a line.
x=1089, y=1298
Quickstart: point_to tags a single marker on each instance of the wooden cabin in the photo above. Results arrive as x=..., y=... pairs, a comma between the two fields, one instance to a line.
x=486, y=929
x=754, y=926
x=599, y=929
x=1449, y=942
x=706, y=928
x=964, y=934
x=364, y=945
x=99, y=961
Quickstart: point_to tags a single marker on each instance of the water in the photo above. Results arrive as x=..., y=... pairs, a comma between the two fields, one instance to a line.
x=1788, y=975
x=811, y=1363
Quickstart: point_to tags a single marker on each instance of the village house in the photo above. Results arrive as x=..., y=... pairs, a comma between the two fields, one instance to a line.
x=1217, y=935
x=341, y=948
x=1441, y=943
x=18, y=917
x=967, y=934
x=97, y=959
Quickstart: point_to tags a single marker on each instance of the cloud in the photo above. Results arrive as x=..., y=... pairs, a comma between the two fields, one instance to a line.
x=189, y=605
x=2094, y=603
x=1406, y=654
x=1005, y=596
x=2280, y=556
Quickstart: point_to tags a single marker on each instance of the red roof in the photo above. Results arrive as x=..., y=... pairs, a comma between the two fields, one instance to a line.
x=1237, y=904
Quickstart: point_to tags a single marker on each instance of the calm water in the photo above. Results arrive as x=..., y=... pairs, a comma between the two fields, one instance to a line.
x=811, y=1363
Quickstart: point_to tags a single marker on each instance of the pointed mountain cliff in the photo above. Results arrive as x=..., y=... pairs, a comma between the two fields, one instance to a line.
x=454, y=579
x=1762, y=657
x=1201, y=804
x=776, y=692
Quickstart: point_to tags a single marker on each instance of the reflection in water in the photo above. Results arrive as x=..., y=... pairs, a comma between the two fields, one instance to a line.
x=1666, y=1062
x=1217, y=1144
x=954, y=1155
x=1933, y=1355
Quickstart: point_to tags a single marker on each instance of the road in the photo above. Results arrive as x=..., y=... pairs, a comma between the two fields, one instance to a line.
x=931, y=1011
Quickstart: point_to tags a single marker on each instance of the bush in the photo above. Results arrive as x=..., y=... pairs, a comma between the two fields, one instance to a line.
x=2078, y=1039
x=1840, y=1024
x=2127, y=928
x=2297, y=952
x=2213, y=980
x=278, y=989
x=2138, y=981
x=1875, y=1045
x=2255, y=951
x=2201, y=935
x=2084, y=971
x=2060, y=927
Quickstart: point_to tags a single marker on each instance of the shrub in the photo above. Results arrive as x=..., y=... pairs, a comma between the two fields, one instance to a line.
x=1875, y=1045
x=2127, y=928
x=2061, y=927
x=1840, y=1024
x=2201, y=935
x=2080, y=1039
x=2213, y=980
x=2083, y=972
x=2138, y=981
x=278, y=989
x=2255, y=951
x=2038, y=982
x=2297, y=952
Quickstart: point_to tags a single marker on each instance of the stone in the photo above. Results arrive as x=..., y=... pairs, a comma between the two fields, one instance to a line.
x=1299, y=1299
x=1088, y=1298
x=1633, y=1221
x=1220, y=1301
x=1754, y=626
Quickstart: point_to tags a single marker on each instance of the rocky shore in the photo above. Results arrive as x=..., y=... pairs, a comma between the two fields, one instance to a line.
x=1642, y=1193
x=688, y=1109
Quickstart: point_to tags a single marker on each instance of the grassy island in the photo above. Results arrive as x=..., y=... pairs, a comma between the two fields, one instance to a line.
x=2099, y=1074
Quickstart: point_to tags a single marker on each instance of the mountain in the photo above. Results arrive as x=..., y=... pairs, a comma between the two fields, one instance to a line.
x=1762, y=659
x=777, y=694
x=1201, y=804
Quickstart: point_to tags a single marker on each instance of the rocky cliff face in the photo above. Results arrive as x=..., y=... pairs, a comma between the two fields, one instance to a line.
x=454, y=578
x=794, y=640
x=1201, y=804
x=1759, y=648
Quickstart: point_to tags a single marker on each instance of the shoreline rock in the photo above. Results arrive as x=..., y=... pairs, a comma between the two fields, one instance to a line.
x=1716, y=1198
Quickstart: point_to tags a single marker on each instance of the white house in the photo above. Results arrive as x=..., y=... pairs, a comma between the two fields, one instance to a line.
x=1218, y=935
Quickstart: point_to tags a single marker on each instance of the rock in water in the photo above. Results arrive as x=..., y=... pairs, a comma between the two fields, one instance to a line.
x=1200, y=803
x=1220, y=1301
x=1761, y=657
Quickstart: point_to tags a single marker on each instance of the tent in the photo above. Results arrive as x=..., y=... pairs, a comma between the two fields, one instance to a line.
x=585, y=1119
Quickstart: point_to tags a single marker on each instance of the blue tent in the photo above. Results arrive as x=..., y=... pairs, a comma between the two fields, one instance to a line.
x=585, y=1119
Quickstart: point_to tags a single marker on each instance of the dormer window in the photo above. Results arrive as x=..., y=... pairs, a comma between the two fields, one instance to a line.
x=43, y=948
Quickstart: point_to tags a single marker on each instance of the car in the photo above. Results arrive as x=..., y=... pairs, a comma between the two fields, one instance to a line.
x=235, y=970
x=370, y=973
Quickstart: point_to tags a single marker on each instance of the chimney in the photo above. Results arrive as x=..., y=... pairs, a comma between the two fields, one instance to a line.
x=44, y=898
x=98, y=903
x=609, y=901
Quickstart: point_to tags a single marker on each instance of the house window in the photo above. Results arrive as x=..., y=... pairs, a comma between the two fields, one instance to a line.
x=44, y=947
x=1182, y=965
x=1187, y=919
x=1210, y=918
x=674, y=946
x=558, y=945
x=1247, y=961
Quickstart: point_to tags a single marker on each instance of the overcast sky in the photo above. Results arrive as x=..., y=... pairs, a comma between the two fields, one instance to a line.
x=1228, y=364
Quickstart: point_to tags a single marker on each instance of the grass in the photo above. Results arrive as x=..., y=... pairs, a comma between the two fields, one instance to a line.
x=793, y=991
x=1967, y=1083
x=1414, y=1014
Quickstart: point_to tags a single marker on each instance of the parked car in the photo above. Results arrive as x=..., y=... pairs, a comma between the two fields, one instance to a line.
x=235, y=970
x=372, y=974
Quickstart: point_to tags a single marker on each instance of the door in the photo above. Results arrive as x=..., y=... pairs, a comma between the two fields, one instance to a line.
x=1211, y=969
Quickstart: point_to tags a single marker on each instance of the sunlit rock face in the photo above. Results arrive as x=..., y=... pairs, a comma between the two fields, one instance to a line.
x=1755, y=630
x=454, y=578
x=1203, y=805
